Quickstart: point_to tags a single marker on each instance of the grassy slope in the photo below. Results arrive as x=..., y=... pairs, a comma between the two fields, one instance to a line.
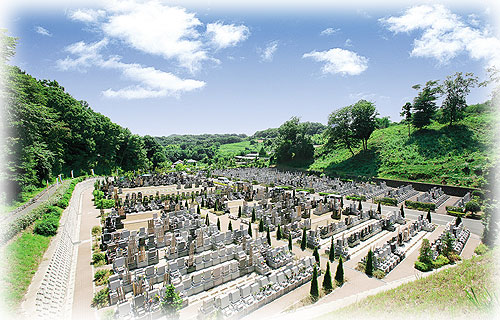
x=231, y=149
x=22, y=258
x=455, y=155
x=439, y=293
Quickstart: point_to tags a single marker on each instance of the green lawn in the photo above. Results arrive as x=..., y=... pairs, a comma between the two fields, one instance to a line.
x=21, y=260
x=232, y=149
x=441, y=293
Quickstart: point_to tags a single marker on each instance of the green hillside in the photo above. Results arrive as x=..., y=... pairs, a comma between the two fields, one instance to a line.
x=444, y=292
x=456, y=155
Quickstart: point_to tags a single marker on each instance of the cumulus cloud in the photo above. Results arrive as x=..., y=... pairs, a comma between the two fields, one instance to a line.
x=159, y=30
x=153, y=28
x=151, y=82
x=86, y=15
x=340, y=61
x=329, y=31
x=226, y=35
x=444, y=34
x=43, y=31
x=268, y=52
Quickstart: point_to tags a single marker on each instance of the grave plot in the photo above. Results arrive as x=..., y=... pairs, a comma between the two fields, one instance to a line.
x=387, y=256
x=459, y=236
x=178, y=248
x=435, y=195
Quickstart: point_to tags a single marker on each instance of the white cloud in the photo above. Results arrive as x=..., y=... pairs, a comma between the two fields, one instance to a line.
x=268, y=53
x=160, y=30
x=43, y=31
x=444, y=34
x=340, y=61
x=87, y=15
x=87, y=55
x=152, y=82
x=348, y=43
x=329, y=31
x=226, y=35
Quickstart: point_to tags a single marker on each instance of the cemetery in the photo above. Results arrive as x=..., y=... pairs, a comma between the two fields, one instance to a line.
x=158, y=234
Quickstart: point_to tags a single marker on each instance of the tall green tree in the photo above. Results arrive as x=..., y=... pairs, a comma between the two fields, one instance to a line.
x=314, y=292
x=250, y=230
x=424, y=105
x=278, y=233
x=170, y=303
x=290, y=244
x=261, y=225
x=327, y=279
x=340, y=129
x=406, y=113
x=218, y=224
x=316, y=254
x=303, y=242
x=292, y=142
x=369, y=264
x=331, y=253
x=363, y=121
x=230, y=226
x=456, y=88
x=339, y=274
x=268, y=236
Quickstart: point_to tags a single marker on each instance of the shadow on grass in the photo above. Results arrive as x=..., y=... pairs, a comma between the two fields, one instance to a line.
x=433, y=144
x=363, y=165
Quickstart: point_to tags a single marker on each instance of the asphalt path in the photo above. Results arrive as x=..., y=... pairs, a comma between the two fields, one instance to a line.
x=475, y=226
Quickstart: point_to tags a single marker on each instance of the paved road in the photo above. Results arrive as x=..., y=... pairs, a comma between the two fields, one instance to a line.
x=475, y=226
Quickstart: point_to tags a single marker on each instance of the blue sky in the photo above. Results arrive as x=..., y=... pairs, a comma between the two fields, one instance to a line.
x=160, y=69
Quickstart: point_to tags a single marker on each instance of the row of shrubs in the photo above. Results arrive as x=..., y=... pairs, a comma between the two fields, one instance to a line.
x=57, y=199
x=356, y=197
x=101, y=202
x=423, y=206
x=387, y=201
x=310, y=190
x=48, y=224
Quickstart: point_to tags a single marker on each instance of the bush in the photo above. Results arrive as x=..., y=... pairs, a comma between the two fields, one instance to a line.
x=422, y=266
x=456, y=214
x=454, y=209
x=379, y=274
x=423, y=206
x=98, y=259
x=105, y=203
x=96, y=230
x=101, y=298
x=481, y=249
x=440, y=261
x=387, y=201
x=101, y=276
x=356, y=197
x=47, y=226
x=478, y=193
x=472, y=206
x=53, y=211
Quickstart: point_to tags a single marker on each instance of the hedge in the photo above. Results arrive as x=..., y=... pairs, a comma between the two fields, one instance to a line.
x=356, y=197
x=423, y=206
x=455, y=209
x=387, y=201
x=456, y=214
x=28, y=219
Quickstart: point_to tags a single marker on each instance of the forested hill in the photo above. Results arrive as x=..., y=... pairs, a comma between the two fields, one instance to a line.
x=50, y=133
